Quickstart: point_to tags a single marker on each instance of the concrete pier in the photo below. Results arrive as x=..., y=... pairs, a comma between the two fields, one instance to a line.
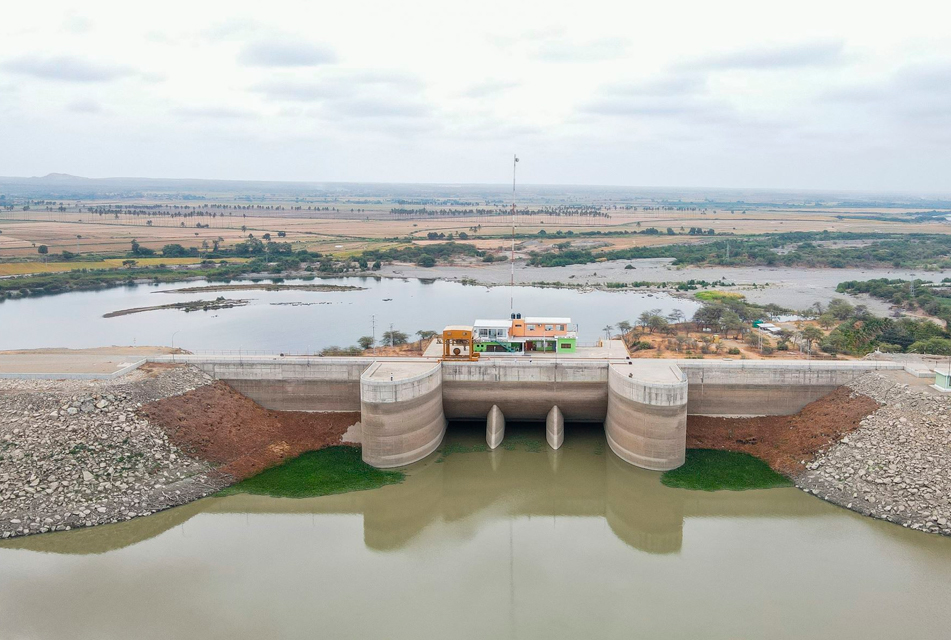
x=555, y=428
x=646, y=421
x=494, y=427
x=402, y=414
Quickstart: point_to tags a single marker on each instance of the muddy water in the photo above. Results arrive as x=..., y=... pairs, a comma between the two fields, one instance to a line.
x=521, y=542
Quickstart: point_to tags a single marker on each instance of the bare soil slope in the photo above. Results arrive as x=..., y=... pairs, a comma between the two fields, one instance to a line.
x=218, y=424
x=784, y=442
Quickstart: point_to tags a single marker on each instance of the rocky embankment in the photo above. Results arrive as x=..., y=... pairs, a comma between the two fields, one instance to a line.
x=897, y=465
x=75, y=453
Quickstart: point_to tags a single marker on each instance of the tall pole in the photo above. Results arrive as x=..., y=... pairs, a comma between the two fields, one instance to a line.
x=512, y=260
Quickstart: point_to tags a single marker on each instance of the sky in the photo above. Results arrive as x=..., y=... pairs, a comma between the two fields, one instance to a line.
x=822, y=95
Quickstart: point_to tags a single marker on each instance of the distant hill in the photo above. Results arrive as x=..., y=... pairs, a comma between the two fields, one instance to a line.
x=65, y=186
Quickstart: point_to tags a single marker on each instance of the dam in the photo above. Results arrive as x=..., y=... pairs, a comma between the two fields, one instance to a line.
x=406, y=403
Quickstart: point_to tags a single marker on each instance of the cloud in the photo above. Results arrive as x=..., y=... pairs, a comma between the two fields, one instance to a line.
x=668, y=96
x=84, y=106
x=378, y=108
x=65, y=68
x=667, y=86
x=916, y=95
x=561, y=51
x=338, y=85
x=285, y=53
x=808, y=54
x=213, y=113
x=73, y=23
x=489, y=88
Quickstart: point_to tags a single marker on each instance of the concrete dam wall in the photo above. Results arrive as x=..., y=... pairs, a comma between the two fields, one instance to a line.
x=406, y=402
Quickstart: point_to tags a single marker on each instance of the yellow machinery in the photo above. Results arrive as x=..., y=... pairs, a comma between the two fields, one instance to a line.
x=457, y=343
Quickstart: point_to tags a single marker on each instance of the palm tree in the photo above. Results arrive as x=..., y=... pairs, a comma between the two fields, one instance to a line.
x=607, y=330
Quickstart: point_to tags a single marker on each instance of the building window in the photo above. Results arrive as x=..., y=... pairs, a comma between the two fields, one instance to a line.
x=548, y=327
x=531, y=327
x=561, y=327
x=565, y=345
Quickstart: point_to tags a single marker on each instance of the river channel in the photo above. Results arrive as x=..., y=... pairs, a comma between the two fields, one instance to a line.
x=521, y=542
x=302, y=321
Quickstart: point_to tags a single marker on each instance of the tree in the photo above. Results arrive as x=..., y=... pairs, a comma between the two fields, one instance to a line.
x=676, y=316
x=365, y=342
x=657, y=323
x=810, y=335
x=607, y=330
x=42, y=249
x=426, y=261
x=935, y=346
x=840, y=309
x=174, y=251
x=624, y=327
x=425, y=334
x=395, y=337
x=827, y=320
x=731, y=321
x=267, y=236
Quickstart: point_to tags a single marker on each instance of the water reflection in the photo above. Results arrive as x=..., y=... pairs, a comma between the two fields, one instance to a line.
x=522, y=542
x=466, y=489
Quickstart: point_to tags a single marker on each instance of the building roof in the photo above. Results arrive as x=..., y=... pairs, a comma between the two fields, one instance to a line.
x=457, y=327
x=541, y=320
x=493, y=324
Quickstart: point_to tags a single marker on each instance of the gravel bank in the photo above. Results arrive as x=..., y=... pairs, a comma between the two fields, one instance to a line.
x=75, y=453
x=897, y=465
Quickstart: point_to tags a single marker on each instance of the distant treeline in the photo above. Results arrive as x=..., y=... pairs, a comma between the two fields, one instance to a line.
x=800, y=249
x=933, y=299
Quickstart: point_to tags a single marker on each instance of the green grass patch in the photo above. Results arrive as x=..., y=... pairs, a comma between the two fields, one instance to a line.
x=713, y=296
x=328, y=471
x=712, y=470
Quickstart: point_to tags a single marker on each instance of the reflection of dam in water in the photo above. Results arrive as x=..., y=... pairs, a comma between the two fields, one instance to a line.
x=643, y=403
x=465, y=486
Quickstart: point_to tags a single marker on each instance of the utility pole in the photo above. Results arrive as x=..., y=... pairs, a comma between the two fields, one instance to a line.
x=391, y=335
x=512, y=260
x=373, y=333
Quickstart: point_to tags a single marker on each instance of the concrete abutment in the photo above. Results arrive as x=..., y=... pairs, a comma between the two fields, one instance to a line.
x=402, y=412
x=646, y=421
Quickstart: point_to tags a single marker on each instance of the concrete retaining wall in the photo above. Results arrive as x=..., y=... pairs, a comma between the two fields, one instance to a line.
x=646, y=421
x=756, y=388
x=402, y=416
x=299, y=384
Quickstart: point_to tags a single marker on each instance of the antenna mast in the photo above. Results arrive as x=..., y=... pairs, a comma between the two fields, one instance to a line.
x=512, y=260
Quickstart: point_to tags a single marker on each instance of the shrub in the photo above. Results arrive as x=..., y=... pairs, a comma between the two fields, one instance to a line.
x=733, y=351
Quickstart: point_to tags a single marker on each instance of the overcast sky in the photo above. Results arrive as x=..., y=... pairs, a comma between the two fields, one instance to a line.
x=813, y=95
